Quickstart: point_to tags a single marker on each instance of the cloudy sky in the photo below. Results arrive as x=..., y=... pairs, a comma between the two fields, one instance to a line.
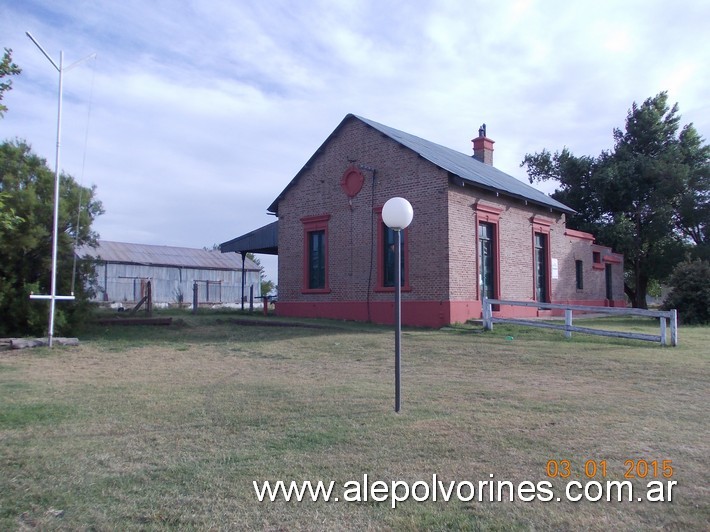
x=196, y=114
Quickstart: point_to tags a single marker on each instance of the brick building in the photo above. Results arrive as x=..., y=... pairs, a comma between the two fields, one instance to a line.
x=476, y=230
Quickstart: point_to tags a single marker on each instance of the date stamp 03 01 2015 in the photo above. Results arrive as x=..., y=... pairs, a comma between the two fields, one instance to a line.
x=598, y=468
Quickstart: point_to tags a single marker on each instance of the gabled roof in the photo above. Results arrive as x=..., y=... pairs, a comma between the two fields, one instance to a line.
x=464, y=166
x=148, y=255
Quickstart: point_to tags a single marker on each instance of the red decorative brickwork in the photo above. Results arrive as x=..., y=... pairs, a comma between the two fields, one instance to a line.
x=352, y=181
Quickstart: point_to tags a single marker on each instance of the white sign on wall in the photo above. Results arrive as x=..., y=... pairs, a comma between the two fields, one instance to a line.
x=555, y=270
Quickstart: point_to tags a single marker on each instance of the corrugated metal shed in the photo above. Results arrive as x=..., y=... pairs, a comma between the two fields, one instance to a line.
x=149, y=255
x=459, y=164
x=123, y=270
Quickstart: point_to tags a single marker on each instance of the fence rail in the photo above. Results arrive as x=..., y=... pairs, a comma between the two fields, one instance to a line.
x=569, y=328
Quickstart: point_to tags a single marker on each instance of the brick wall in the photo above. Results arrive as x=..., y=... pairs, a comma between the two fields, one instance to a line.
x=353, y=224
x=441, y=242
x=515, y=231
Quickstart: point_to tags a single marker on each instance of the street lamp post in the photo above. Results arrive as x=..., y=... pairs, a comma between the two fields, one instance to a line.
x=397, y=214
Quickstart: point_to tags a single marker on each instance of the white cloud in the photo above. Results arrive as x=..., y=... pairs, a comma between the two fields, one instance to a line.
x=202, y=112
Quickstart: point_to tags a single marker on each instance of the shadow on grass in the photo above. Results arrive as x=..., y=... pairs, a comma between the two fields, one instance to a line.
x=220, y=326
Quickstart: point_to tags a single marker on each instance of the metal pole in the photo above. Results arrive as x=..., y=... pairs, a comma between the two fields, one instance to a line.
x=55, y=223
x=244, y=276
x=397, y=318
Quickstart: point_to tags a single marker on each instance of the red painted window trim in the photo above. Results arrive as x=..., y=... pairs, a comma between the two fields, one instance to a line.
x=312, y=224
x=542, y=225
x=406, y=287
x=488, y=214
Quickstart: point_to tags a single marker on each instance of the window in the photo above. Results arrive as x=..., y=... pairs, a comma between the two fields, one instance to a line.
x=541, y=268
x=316, y=260
x=385, y=259
x=542, y=274
x=596, y=257
x=388, y=257
x=487, y=258
x=315, y=254
x=579, y=269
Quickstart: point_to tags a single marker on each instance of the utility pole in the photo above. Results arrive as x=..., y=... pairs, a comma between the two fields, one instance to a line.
x=53, y=297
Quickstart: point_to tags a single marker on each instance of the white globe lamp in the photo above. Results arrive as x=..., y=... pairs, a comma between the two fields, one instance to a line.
x=397, y=213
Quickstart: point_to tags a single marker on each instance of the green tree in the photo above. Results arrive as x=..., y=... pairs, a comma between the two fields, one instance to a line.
x=692, y=217
x=7, y=68
x=690, y=292
x=27, y=188
x=8, y=218
x=647, y=198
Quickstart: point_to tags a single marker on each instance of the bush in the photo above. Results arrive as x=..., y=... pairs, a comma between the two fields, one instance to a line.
x=690, y=293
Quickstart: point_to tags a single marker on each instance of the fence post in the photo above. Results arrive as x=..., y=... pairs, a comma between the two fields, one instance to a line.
x=662, y=320
x=251, y=298
x=487, y=315
x=568, y=323
x=149, y=301
x=674, y=327
x=194, y=297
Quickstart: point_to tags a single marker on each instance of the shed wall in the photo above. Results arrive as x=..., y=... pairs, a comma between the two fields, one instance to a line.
x=125, y=283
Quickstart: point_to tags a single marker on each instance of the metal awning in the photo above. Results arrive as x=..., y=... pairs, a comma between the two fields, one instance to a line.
x=263, y=240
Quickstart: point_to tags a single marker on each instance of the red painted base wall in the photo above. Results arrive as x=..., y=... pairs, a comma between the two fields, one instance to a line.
x=433, y=314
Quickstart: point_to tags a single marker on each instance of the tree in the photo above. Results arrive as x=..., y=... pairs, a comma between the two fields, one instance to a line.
x=8, y=218
x=7, y=68
x=692, y=217
x=27, y=188
x=690, y=292
x=647, y=198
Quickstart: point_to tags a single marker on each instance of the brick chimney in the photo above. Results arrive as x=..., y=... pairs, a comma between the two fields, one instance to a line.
x=483, y=147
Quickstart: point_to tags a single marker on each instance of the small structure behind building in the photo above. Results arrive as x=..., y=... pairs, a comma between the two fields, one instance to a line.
x=123, y=270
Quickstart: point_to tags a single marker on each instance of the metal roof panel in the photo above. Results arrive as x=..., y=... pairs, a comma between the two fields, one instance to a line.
x=468, y=168
x=151, y=255
x=262, y=240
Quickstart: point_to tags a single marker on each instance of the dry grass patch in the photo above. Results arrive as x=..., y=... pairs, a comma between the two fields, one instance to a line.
x=148, y=428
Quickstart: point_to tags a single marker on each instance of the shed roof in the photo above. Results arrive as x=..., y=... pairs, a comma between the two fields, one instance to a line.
x=459, y=164
x=262, y=240
x=150, y=255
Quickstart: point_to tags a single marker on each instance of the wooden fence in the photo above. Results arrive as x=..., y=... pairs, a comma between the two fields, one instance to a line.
x=569, y=328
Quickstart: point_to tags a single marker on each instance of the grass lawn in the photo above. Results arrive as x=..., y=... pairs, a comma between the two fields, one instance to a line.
x=168, y=427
